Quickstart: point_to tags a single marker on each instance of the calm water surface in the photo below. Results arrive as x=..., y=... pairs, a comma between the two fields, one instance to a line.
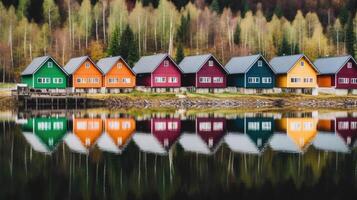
x=99, y=154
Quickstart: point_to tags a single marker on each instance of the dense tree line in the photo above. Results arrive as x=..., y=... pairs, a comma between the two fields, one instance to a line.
x=68, y=28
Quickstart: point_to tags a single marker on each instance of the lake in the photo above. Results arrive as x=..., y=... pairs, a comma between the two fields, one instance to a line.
x=178, y=154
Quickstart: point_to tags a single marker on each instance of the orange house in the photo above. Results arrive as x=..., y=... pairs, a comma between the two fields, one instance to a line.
x=117, y=74
x=87, y=130
x=84, y=75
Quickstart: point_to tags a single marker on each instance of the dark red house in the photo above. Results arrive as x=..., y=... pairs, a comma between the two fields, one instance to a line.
x=337, y=72
x=158, y=72
x=203, y=72
x=347, y=129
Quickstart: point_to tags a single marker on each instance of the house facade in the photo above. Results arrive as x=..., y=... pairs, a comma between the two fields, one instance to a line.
x=117, y=75
x=45, y=73
x=157, y=73
x=84, y=75
x=295, y=73
x=338, y=75
x=250, y=73
x=203, y=73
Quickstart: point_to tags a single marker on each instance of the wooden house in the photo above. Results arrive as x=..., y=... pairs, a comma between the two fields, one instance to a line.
x=117, y=74
x=338, y=75
x=203, y=73
x=250, y=73
x=84, y=75
x=45, y=73
x=157, y=73
x=295, y=73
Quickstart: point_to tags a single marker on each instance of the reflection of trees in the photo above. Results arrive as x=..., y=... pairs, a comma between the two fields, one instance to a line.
x=137, y=175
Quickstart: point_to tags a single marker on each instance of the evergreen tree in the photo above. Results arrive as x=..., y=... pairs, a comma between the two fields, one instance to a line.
x=278, y=11
x=350, y=37
x=128, y=47
x=236, y=36
x=113, y=47
x=183, y=31
x=215, y=6
x=285, y=47
x=343, y=15
x=133, y=54
x=179, y=53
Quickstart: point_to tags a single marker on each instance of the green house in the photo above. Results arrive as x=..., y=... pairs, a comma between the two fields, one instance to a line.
x=251, y=72
x=44, y=73
x=45, y=133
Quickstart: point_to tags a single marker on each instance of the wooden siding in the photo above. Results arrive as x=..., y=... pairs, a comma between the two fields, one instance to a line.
x=347, y=73
x=120, y=73
x=166, y=72
x=88, y=130
x=326, y=80
x=260, y=72
x=120, y=129
x=86, y=73
x=235, y=80
x=214, y=71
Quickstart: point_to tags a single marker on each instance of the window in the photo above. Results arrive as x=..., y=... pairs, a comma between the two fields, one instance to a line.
x=353, y=125
x=266, y=79
x=160, y=126
x=166, y=63
x=217, y=79
x=87, y=65
x=119, y=65
x=205, y=126
x=343, y=125
x=81, y=125
x=172, y=126
x=210, y=63
x=308, y=80
x=95, y=80
x=205, y=79
x=44, y=80
x=113, y=125
x=79, y=80
x=126, y=80
x=49, y=65
x=308, y=126
x=349, y=65
x=126, y=124
x=172, y=79
x=218, y=126
x=253, y=80
x=160, y=79
x=266, y=126
x=253, y=126
x=302, y=63
x=295, y=126
x=44, y=126
x=260, y=63
x=354, y=80
x=343, y=80
x=57, y=80
x=93, y=125
x=58, y=126
x=113, y=80
x=295, y=80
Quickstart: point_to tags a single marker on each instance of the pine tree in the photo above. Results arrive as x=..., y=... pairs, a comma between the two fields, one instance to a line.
x=284, y=48
x=179, y=53
x=128, y=47
x=113, y=47
x=236, y=36
x=350, y=37
x=215, y=6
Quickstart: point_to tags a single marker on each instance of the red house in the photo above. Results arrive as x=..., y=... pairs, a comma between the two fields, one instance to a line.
x=347, y=129
x=158, y=73
x=203, y=73
x=337, y=73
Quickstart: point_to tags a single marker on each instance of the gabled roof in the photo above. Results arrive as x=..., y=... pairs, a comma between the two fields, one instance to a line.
x=106, y=64
x=75, y=144
x=330, y=142
x=148, y=64
x=148, y=143
x=283, y=64
x=331, y=65
x=282, y=142
x=192, y=64
x=106, y=143
x=73, y=64
x=241, y=143
x=36, y=143
x=242, y=64
x=36, y=63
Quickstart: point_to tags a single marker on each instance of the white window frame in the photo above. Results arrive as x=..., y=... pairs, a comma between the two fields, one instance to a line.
x=204, y=79
x=354, y=80
x=266, y=126
x=349, y=65
x=218, y=79
x=119, y=65
x=160, y=126
x=166, y=63
x=295, y=80
x=343, y=125
x=160, y=79
x=210, y=63
x=114, y=125
x=126, y=80
x=87, y=65
x=253, y=80
x=267, y=80
x=79, y=80
x=253, y=126
x=205, y=126
x=302, y=63
x=49, y=64
x=57, y=80
x=217, y=126
x=44, y=80
x=260, y=63
x=57, y=125
x=343, y=80
x=172, y=79
x=353, y=125
x=172, y=126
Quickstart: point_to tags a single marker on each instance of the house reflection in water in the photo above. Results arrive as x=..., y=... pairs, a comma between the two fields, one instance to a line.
x=206, y=137
x=85, y=133
x=249, y=134
x=44, y=133
x=157, y=135
x=118, y=132
x=294, y=134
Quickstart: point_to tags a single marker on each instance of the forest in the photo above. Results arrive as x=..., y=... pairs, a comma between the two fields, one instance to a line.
x=134, y=28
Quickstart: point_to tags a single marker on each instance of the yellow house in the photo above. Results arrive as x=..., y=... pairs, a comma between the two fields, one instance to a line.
x=295, y=72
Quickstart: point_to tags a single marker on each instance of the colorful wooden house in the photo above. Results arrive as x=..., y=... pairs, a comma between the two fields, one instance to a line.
x=251, y=73
x=117, y=134
x=117, y=74
x=338, y=75
x=295, y=73
x=249, y=134
x=45, y=133
x=45, y=73
x=206, y=137
x=294, y=135
x=203, y=73
x=84, y=75
x=157, y=135
x=346, y=127
x=157, y=73
x=85, y=133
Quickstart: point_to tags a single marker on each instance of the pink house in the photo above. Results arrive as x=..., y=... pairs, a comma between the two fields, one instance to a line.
x=203, y=73
x=158, y=72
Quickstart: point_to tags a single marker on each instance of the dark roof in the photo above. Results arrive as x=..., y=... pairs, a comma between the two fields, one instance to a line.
x=36, y=63
x=283, y=64
x=192, y=64
x=148, y=64
x=73, y=64
x=331, y=65
x=240, y=65
x=105, y=64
